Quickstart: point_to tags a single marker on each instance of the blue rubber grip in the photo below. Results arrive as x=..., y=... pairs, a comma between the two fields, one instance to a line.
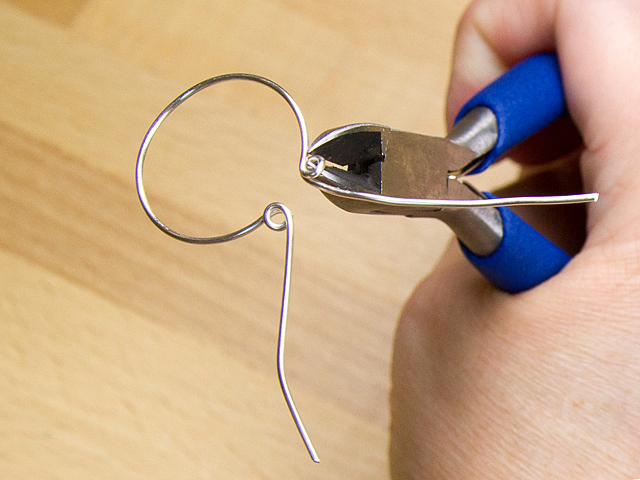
x=524, y=259
x=525, y=100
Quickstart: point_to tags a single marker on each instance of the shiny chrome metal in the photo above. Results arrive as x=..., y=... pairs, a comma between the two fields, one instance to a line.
x=374, y=169
x=413, y=206
x=269, y=212
x=481, y=228
x=265, y=219
x=401, y=169
x=478, y=131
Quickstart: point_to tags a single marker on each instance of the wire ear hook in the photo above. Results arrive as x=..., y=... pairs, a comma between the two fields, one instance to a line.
x=265, y=219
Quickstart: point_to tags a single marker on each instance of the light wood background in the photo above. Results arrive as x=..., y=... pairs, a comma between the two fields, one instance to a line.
x=125, y=354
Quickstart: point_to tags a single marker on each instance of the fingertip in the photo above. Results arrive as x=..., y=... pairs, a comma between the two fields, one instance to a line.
x=475, y=62
x=492, y=36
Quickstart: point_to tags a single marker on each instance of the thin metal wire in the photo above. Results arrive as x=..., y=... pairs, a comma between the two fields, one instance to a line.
x=271, y=210
x=266, y=218
x=449, y=203
x=304, y=140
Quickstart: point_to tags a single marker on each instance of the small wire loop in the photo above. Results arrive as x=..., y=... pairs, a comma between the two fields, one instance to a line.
x=271, y=211
x=266, y=218
x=314, y=166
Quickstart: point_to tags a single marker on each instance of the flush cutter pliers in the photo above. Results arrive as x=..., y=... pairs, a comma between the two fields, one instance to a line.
x=369, y=168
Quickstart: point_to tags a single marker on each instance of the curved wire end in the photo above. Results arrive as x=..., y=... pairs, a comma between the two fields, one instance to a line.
x=269, y=213
x=266, y=218
x=311, y=175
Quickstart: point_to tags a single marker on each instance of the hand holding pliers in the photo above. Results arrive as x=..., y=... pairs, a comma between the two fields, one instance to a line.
x=369, y=168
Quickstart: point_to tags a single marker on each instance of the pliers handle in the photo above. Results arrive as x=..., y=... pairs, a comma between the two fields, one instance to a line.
x=375, y=169
x=524, y=100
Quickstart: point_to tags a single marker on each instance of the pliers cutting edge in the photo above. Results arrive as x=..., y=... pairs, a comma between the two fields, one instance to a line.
x=369, y=168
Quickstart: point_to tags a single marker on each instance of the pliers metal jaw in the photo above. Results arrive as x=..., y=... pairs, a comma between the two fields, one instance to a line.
x=369, y=168
x=361, y=167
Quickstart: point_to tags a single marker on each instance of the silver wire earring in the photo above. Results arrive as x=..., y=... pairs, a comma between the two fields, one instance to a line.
x=267, y=218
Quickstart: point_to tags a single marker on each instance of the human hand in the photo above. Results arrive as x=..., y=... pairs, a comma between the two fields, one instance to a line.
x=545, y=383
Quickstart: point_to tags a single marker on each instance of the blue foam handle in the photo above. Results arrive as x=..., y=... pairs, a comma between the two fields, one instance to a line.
x=525, y=100
x=524, y=259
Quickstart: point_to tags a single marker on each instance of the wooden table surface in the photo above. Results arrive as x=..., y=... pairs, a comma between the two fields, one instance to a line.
x=125, y=354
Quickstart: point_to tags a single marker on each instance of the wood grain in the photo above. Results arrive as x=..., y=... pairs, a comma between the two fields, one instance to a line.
x=125, y=354
x=61, y=12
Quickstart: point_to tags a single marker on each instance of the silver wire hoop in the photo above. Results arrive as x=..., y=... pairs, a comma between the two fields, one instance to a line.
x=304, y=140
x=265, y=219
